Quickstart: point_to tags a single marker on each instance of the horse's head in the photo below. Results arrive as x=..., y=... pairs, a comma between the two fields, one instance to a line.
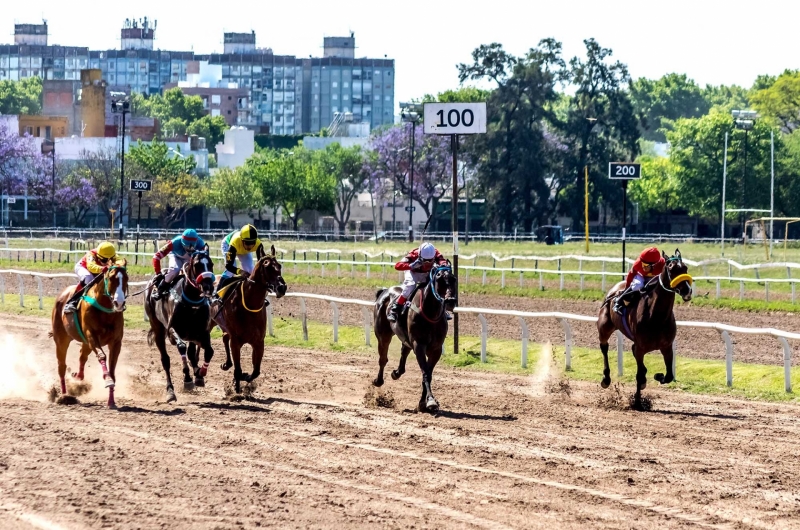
x=115, y=283
x=444, y=285
x=201, y=270
x=677, y=275
x=268, y=272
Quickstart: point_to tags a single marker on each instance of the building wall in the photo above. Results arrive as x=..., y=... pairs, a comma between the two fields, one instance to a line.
x=239, y=145
x=43, y=126
x=93, y=104
x=230, y=103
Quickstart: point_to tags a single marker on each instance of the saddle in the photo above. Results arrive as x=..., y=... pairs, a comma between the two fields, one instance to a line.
x=400, y=327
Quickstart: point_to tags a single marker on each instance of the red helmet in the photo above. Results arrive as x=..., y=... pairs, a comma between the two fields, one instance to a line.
x=650, y=255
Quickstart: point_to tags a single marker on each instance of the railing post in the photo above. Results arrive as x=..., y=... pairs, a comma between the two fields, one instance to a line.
x=368, y=270
x=322, y=270
x=741, y=291
x=580, y=268
x=793, y=289
x=3, y=289
x=39, y=285
x=338, y=270
x=728, y=358
x=674, y=357
x=525, y=336
x=270, y=328
x=366, y=315
x=541, y=281
x=484, y=336
x=503, y=279
x=620, y=352
x=567, y=342
x=521, y=281
x=718, y=289
x=787, y=364
x=766, y=291
x=483, y=282
x=335, y=310
x=304, y=318
x=21, y=291
x=603, y=281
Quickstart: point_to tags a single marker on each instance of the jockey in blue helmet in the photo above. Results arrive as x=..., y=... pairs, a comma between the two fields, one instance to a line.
x=179, y=250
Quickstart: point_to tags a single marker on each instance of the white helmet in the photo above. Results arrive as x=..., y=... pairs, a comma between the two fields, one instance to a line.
x=427, y=251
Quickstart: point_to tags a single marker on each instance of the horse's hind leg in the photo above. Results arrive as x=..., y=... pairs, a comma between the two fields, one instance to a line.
x=641, y=374
x=236, y=354
x=431, y=404
x=258, y=355
x=79, y=375
x=606, y=370
x=605, y=328
x=383, y=357
x=161, y=344
x=113, y=356
x=668, y=357
x=226, y=341
x=401, y=366
x=188, y=383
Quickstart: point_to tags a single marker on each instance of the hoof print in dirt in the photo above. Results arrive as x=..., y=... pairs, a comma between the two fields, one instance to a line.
x=67, y=400
x=642, y=404
x=378, y=398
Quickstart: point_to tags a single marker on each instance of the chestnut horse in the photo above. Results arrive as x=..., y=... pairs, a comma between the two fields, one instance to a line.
x=242, y=316
x=97, y=322
x=422, y=328
x=183, y=318
x=649, y=322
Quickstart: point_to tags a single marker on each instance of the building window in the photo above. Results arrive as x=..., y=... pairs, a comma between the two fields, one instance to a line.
x=216, y=99
x=335, y=84
x=229, y=112
x=345, y=97
x=335, y=97
x=346, y=84
x=388, y=98
x=377, y=97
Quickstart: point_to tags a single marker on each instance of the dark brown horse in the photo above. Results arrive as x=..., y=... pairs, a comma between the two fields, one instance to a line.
x=98, y=322
x=422, y=328
x=649, y=322
x=242, y=316
x=183, y=318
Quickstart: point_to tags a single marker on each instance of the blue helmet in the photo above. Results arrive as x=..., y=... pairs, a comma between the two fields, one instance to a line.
x=189, y=239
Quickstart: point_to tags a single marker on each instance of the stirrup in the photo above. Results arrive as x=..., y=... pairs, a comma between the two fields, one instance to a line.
x=394, y=312
x=448, y=316
x=69, y=308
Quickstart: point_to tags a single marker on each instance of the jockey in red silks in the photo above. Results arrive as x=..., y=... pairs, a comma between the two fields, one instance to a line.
x=649, y=264
x=417, y=264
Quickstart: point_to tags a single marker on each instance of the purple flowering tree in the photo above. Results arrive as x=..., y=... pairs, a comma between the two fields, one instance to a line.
x=20, y=160
x=390, y=165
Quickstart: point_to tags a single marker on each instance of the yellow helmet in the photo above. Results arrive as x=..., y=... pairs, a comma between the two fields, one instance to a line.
x=106, y=250
x=249, y=235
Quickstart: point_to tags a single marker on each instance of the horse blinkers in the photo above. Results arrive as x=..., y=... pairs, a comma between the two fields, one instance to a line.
x=204, y=279
x=449, y=296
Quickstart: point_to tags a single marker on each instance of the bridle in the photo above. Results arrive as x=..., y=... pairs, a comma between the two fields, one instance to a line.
x=432, y=287
x=93, y=301
x=674, y=282
x=432, y=274
x=205, y=275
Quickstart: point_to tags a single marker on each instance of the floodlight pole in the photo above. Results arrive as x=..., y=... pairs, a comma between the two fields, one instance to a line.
x=771, y=189
x=724, y=182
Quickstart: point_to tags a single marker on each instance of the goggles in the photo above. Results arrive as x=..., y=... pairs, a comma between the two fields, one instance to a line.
x=647, y=266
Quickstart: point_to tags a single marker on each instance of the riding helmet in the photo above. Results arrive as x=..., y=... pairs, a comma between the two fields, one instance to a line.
x=249, y=235
x=189, y=238
x=650, y=255
x=427, y=251
x=106, y=250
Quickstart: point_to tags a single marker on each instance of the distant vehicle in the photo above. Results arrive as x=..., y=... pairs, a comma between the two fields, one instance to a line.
x=550, y=234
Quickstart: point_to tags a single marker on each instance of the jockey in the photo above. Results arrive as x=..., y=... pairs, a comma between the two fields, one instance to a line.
x=95, y=262
x=179, y=250
x=240, y=245
x=417, y=264
x=649, y=264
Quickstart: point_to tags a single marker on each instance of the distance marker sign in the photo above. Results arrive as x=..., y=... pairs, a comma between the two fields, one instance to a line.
x=624, y=170
x=454, y=118
x=141, y=185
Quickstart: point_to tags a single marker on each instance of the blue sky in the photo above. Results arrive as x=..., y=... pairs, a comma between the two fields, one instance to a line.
x=713, y=42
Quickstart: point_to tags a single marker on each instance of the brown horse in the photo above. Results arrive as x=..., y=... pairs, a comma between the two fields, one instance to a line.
x=242, y=316
x=649, y=322
x=422, y=328
x=98, y=322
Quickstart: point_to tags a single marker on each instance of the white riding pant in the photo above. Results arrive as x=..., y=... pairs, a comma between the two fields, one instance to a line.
x=175, y=263
x=244, y=261
x=410, y=280
x=83, y=274
x=637, y=282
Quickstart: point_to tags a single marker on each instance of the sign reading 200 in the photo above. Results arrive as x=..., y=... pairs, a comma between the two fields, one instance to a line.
x=624, y=170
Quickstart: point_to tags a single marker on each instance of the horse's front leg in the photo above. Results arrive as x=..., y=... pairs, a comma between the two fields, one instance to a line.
x=668, y=357
x=226, y=341
x=401, y=366
x=258, y=355
x=431, y=404
x=183, y=350
x=85, y=351
x=193, y=353
x=421, y=354
x=113, y=356
x=236, y=354
x=641, y=374
x=606, y=382
x=208, y=354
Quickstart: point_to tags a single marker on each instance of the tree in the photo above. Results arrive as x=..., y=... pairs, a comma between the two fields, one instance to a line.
x=175, y=189
x=174, y=110
x=211, y=128
x=101, y=169
x=780, y=101
x=658, y=102
x=657, y=192
x=727, y=97
x=76, y=194
x=21, y=161
x=233, y=191
x=21, y=97
x=346, y=166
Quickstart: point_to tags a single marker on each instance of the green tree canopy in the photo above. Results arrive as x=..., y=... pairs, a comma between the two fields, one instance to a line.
x=21, y=97
x=233, y=191
x=660, y=101
x=174, y=110
x=780, y=101
x=345, y=166
x=211, y=128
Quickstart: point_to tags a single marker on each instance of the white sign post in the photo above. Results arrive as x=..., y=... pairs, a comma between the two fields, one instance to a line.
x=453, y=119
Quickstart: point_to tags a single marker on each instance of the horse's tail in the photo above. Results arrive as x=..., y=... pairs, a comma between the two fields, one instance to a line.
x=151, y=337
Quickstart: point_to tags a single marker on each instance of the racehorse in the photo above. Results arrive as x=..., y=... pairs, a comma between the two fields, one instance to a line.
x=183, y=317
x=649, y=322
x=422, y=328
x=98, y=322
x=242, y=315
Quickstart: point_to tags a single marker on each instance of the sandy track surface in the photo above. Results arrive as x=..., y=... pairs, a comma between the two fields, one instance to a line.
x=316, y=446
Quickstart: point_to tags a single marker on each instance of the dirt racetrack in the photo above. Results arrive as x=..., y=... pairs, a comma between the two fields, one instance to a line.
x=315, y=446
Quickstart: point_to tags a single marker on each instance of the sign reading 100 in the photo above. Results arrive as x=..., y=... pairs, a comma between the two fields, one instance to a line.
x=455, y=118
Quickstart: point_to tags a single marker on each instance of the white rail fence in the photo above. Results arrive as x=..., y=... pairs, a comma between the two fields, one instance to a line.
x=564, y=320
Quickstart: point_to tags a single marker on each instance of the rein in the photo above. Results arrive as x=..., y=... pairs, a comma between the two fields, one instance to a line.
x=92, y=301
x=432, y=288
x=244, y=304
x=673, y=282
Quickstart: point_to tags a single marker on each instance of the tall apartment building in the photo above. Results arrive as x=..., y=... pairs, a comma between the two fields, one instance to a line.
x=287, y=94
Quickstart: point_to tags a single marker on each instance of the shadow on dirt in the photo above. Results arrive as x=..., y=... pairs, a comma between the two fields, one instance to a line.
x=157, y=412
x=467, y=416
x=699, y=415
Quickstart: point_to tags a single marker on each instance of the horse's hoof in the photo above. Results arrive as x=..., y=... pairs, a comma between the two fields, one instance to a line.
x=226, y=366
x=605, y=383
x=171, y=397
x=396, y=375
x=109, y=383
x=422, y=407
x=377, y=382
x=199, y=381
x=112, y=406
x=202, y=371
x=659, y=378
x=76, y=376
x=188, y=385
x=432, y=405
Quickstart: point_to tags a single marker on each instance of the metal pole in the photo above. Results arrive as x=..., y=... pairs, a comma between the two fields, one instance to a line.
x=394, y=205
x=466, y=212
x=54, y=184
x=744, y=186
x=724, y=182
x=624, y=220
x=139, y=215
x=454, y=144
x=586, y=206
x=411, y=184
x=122, y=175
x=771, y=188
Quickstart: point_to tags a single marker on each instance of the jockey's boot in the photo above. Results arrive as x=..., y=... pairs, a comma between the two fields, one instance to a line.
x=394, y=310
x=163, y=288
x=448, y=316
x=622, y=301
x=72, y=304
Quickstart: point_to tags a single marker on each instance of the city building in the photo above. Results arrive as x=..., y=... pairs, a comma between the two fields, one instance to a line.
x=286, y=94
x=220, y=98
x=48, y=127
